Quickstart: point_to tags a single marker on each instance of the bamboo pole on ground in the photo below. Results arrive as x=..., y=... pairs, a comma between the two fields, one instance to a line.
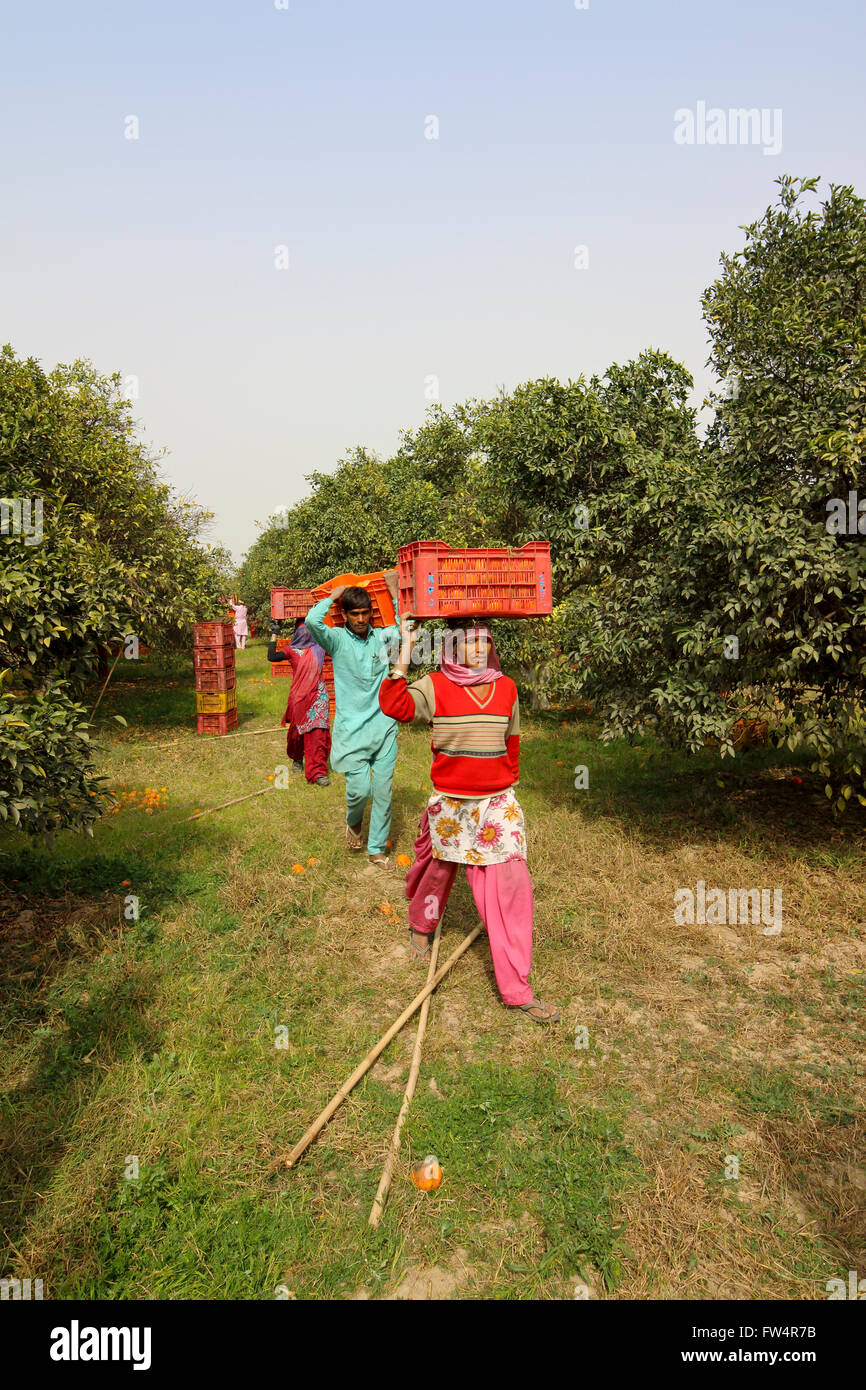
x=104, y=684
x=197, y=815
x=291, y=1158
x=385, y=1181
x=223, y=738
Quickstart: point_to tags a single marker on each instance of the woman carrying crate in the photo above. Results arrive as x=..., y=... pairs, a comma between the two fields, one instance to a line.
x=308, y=738
x=473, y=816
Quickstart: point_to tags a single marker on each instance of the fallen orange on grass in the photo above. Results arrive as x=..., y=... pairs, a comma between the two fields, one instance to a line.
x=313, y=860
x=127, y=883
x=386, y=908
x=298, y=869
x=428, y=1174
x=403, y=861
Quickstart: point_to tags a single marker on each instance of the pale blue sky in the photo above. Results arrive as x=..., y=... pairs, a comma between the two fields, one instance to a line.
x=408, y=257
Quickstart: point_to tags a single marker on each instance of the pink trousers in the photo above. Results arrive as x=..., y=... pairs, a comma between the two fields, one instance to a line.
x=503, y=896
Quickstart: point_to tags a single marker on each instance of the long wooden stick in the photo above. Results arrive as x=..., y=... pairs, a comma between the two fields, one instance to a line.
x=223, y=738
x=105, y=683
x=291, y=1158
x=197, y=815
x=415, y=1066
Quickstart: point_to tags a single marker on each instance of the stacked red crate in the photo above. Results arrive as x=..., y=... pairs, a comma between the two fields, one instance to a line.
x=215, y=678
x=291, y=603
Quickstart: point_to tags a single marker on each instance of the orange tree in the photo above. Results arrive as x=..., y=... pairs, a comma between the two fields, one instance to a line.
x=728, y=576
x=94, y=546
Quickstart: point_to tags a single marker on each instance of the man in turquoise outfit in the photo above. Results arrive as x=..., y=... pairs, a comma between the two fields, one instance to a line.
x=364, y=740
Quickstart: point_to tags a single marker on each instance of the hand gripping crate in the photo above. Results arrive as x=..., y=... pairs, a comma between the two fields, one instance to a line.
x=217, y=723
x=437, y=581
x=291, y=603
x=380, y=599
x=214, y=658
x=215, y=701
x=213, y=634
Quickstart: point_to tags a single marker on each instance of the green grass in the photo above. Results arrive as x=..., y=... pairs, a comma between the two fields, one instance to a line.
x=156, y=1039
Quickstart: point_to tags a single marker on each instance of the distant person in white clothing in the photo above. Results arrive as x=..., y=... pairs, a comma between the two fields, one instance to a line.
x=241, y=629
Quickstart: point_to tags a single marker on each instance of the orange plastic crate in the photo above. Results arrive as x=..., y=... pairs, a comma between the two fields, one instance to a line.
x=437, y=581
x=282, y=669
x=291, y=603
x=216, y=678
x=380, y=599
x=213, y=634
x=209, y=658
x=216, y=723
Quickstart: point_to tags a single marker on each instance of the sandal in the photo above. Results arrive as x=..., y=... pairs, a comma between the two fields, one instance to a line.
x=353, y=839
x=414, y=951
x=380, y=860
x=548, y=1017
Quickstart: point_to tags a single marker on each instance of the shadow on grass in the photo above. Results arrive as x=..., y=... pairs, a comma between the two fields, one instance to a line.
x=668, y=796
x=74, y=1000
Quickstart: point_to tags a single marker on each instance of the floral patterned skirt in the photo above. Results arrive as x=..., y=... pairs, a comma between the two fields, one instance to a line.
x=483, y=830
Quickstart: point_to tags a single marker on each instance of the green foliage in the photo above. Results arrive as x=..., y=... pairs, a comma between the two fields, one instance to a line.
x=47, y=779
x=118, y=552
x=686, y=549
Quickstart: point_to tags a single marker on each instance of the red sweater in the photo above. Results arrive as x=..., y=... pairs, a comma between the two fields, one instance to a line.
x=476, y=744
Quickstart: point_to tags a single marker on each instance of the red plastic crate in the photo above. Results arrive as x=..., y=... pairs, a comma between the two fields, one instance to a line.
x=380, y=599
x=216, y=723
x=437, y=581
x=213, y=634
x=216, y=678
x=207, y=658
x=291, y=603
x=284, y=668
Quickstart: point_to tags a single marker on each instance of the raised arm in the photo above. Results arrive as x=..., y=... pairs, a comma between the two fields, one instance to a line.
x=273, y=654
x=327, y=637
x=415, y=703
x=410, y=704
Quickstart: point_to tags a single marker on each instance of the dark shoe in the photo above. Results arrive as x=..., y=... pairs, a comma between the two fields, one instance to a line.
x=322, y=782
x=298, y=765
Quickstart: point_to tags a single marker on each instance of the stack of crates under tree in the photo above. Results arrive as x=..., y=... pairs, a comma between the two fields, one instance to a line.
x=216, y=696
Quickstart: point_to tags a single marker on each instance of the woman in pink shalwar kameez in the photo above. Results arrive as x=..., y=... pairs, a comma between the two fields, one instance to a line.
x=473, y=816
x=241, y=629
